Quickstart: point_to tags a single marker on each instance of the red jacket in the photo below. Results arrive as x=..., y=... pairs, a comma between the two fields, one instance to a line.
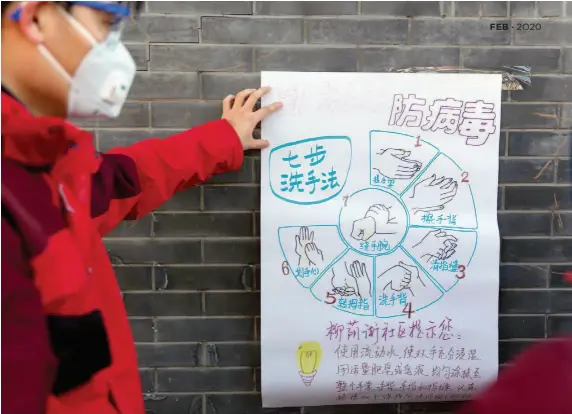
x=66, y=342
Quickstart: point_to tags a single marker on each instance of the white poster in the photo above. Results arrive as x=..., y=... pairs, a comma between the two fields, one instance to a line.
x=380, y=243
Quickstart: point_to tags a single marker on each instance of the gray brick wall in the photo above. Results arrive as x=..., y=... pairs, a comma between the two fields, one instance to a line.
x=189, y=272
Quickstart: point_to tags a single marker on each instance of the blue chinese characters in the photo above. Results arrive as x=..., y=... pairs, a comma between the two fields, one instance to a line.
x=310, y=171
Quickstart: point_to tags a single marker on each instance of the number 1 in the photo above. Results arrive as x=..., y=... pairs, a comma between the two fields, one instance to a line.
x=418, y=142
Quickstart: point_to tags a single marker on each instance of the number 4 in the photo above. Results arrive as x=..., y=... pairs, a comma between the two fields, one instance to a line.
x=408, y=310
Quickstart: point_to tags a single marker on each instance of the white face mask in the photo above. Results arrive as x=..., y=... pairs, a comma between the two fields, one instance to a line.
x=102, y=80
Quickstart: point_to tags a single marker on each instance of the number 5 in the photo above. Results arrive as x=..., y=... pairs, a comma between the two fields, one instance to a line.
x=330, y=298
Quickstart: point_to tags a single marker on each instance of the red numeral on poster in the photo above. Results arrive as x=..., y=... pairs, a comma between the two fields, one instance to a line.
x=285, y=268
x=408, y=310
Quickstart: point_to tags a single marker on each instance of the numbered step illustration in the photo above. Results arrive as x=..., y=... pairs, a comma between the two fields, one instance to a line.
x=399, y=244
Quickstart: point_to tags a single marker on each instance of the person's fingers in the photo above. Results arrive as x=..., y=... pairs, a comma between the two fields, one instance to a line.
x=255, y=97
x=241, y=97
x=227, y=103
x=263, y=112
x=445, y=182
x=311, y=236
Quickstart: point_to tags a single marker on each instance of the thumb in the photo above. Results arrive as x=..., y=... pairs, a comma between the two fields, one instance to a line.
x=405, y=266
x=396, y=152
x=254, y=144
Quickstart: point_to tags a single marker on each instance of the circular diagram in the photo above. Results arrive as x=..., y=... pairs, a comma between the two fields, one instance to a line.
x=399, y=244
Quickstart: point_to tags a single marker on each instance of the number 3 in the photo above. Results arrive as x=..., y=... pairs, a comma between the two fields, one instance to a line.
x=461, y=274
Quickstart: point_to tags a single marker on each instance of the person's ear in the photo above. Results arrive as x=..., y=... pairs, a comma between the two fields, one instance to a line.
x=29, y=21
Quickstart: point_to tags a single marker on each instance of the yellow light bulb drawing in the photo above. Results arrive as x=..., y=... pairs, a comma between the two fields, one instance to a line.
x=308, y=356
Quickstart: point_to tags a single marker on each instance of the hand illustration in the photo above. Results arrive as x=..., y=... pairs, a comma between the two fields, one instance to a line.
x=355, y=281
x=358, y=271
x=436, y=244
x=304, y=237
x=393, y=163
x=377, y=220
x=432, y=193
x=314, y=255
x=399, y=277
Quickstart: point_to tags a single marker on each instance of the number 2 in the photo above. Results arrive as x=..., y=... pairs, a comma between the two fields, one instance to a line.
x=418, y=142
x=461, y=274
x=331, y=299
x=407, y=309
x=465, y=177
x=285, y=268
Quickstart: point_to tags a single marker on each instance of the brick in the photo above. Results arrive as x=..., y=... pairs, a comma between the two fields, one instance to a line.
x=567, y=60
x=201, y=7
x=189, y=199
x=142, y=329
x=562, y=224
x=503, y=143
x=231, y=197
x=543, y=60
x=203, y=225
x=241, y=30
x=402, y=8
x=203, y=329
x=165, y=85
x=537, y=250
x=304, y=58
x=561, y=300
x=537, y=198
x=200, y=58
x=526, y=171
x=257, y=224
x=549, y=143
x=161, y=28
x=243, y=176
x=457, y=32
x=525, y=115
x=552, y=32
x=204, y=380
x=174, y=404
x=549, y=8
x=348, y=409
x=133, y=115
x=159, y=251
x=134, y=278
x=517, y=224
x=511, y=327
x=133, y=228
x=241, y=251
x=383, y=58
x=566, y=117
x=242, y=403
x=350, y=31
x=427, y=408
x=227, y=304
x=147, y=379
x=165, y=355
x=481, y=9
x=220, y=85
x=546, y=88
x=184, y=114
x=305, y=8
x=140, y=54
x=559, y=325
x=233, y=355
x=564, y=171
x=205, y=277
x=509, y=350
x=523, y=277
x=500, y=197
x=524, y=301
x=523, y=8
x=162, y=304
x=112, y=138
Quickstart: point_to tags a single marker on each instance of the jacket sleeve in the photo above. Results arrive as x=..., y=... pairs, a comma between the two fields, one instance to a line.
x=28, y=365
x=133, y=181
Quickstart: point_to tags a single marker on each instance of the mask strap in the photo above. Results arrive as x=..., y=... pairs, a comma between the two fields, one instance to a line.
x=48, y=55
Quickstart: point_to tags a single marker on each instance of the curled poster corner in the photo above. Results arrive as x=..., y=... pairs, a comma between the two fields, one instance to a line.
x=514, y=78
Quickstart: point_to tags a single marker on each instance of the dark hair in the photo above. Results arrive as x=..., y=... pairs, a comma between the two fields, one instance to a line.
x=135, y=6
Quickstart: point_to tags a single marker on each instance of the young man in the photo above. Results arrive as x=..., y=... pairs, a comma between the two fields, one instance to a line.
x=66, y=342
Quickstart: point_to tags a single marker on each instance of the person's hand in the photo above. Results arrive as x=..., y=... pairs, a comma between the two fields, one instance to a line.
x=432, y=194
x=382, y=217
x=358, y=270
x=314, y=254
x=239, y=112
x=363, y=229
x=437, y=244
